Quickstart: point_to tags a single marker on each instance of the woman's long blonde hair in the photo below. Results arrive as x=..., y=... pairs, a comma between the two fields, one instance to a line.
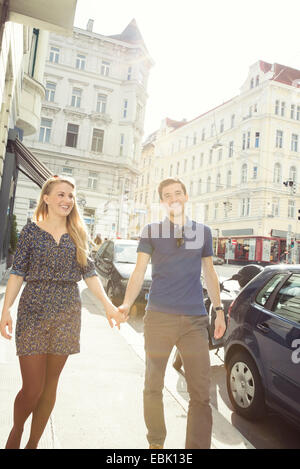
x=75, y=225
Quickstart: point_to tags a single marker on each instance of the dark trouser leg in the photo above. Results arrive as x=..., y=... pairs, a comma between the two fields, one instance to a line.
x=158, y=346
x=193, y=347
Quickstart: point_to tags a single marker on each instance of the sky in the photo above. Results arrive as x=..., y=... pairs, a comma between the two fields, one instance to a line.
x=202, y=50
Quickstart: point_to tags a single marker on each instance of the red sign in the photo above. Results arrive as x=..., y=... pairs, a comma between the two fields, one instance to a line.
x=233, y=241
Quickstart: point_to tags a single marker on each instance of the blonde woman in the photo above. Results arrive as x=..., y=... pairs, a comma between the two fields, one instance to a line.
x=52, y=257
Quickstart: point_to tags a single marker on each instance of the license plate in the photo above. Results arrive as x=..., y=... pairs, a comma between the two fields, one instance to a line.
x=146, y=296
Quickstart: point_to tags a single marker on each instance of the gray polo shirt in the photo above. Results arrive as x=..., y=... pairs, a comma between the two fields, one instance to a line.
x=176, y=285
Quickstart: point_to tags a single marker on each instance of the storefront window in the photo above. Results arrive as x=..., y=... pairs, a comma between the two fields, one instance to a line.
x=274, y=251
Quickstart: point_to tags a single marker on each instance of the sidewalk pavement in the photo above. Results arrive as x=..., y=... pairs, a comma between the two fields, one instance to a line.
x=100, y=395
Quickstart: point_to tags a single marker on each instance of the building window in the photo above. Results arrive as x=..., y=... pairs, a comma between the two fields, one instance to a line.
x=210, y=156
x=45, y=130
x=199, y=186
x=245, y=207
x=282, y=109
x=248, y=139
x=177, y=168
x=92, y=180
x=216, y=211
x=129, y=73
x=275, y=207
x=219, y=186
x=244, y=174
x=279, y=138
x=293, y=173
x=230, y=154
x=252, y=83
x=222, y=126
x=277, y=173
x=203, y=135
x=76, y=97
x=33, y=51
x=201, y=159
x=97, y=140
x=191, y=188
x=171, y=170
x=80, y=61
x=105, y=68
x=72, y=135
x=254, y=174
x=228, y=179
x=195, y=138
x=298, y=113
x=54, y=55
x=193, y=162
x=50, y=91
x=208, y=184
x=257, y=137
x=32, y=204
x=101, y=103
x=125, y=108
x=294, y=142
x=291, y=209
x=292, y=111
x=232, y=120
x=257, y=81
x=67, y=171
x=277, y=107
x=122, y=141
x=244, y=141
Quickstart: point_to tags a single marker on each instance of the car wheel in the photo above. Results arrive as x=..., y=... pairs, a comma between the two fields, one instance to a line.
x=244, y=387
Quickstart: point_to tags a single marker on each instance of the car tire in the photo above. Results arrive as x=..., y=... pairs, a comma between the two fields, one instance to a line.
x=244, y=387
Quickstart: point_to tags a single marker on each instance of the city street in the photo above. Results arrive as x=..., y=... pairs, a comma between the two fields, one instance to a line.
x=100, y=394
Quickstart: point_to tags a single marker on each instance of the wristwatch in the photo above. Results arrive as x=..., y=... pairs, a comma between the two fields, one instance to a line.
x=219, y=308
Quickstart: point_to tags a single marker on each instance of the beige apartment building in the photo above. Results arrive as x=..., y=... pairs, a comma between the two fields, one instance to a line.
x=92, y=121
x=241, y=165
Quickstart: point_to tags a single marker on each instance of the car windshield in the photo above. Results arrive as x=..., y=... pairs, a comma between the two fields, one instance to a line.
x=126, y=253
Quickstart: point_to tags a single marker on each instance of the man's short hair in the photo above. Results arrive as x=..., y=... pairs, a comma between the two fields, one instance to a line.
x=168, y=182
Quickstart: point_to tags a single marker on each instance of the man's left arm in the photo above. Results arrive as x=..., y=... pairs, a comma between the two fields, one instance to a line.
x=213, y=289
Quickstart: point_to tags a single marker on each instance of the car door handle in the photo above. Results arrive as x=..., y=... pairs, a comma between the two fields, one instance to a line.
x=263, y=327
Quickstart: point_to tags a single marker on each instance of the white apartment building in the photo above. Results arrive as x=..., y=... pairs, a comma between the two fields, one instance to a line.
x=234, y=160
x=92, y=123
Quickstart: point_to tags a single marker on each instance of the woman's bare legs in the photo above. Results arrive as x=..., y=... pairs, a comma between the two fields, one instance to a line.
x=40, y=374
x=33, y=371
x=44, y=407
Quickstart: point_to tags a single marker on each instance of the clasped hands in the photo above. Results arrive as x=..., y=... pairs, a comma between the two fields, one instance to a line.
x=119, y=314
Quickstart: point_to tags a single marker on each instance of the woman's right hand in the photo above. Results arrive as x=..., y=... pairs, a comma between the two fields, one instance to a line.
x=6, y=325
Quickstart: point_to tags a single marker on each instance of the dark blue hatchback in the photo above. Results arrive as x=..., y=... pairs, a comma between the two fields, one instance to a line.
x=262, y=345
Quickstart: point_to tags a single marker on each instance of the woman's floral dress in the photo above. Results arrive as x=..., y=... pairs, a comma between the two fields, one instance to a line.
x=49, y=311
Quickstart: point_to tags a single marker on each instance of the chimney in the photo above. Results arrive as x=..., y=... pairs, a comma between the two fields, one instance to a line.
x=89, y=26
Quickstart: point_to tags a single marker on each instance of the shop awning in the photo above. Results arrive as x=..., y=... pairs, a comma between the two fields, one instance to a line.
x=27, y=163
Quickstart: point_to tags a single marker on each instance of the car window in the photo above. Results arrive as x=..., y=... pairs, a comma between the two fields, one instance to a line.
x=287, y=300
x=109, y=251
x=126, y=253
x=101, y=249
x=267, y=290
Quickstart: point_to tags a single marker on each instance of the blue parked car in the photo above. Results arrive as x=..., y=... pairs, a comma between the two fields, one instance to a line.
x=262, y=345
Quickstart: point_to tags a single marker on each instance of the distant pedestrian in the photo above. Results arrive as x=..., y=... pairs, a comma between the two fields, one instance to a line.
x=51, y=257
x=97, y=244
x=175, y=313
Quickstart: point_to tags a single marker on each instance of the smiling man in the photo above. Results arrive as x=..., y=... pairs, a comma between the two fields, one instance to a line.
x=175, y=314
